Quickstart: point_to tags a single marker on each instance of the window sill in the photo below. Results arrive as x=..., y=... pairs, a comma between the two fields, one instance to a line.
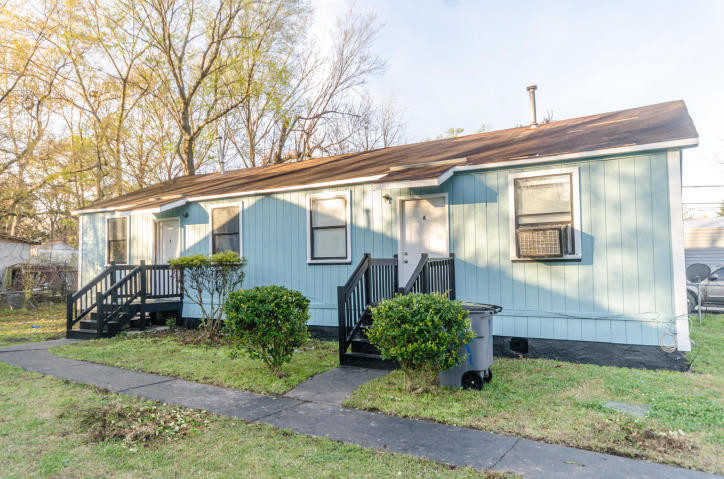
x=566, y=259
x=328, y=261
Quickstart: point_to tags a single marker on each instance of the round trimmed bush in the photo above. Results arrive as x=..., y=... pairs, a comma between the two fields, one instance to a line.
x=269, y=321
x=423, y=332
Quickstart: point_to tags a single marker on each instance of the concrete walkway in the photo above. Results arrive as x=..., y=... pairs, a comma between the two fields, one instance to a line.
x=333, y=386
x=303, y=410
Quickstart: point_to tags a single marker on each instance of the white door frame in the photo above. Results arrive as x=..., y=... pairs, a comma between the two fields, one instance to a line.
x=157, y=236
x=401, y=229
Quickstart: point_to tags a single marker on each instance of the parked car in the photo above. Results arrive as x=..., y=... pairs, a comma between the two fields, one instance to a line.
x=712, y=291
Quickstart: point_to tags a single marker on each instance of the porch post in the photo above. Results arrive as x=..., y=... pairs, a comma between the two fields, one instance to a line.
x=113, y=281
x=452, y=275
x=99, y=315
x=341, y=324
x=68, y=312
x=142, y=307
x=368, y=283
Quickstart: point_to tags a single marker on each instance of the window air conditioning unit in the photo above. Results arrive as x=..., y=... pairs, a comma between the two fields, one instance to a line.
x=551, y=242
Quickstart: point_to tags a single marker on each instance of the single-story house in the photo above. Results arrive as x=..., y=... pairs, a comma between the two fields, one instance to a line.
x=704, y=241
x=54, y=252
x=574, y=227
x=13, y=250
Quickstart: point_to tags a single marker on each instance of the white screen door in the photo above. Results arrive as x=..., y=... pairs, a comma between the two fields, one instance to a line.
x=167, y=244
x=424, y=229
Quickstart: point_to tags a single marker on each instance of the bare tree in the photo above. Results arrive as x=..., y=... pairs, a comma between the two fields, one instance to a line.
x=273, y=68
x=193, y=56
x=342, y=76
x=315, y=104
x=370, y=127
x=102, y=97
x=23, y=37
x=103, y=45
x=25, y=111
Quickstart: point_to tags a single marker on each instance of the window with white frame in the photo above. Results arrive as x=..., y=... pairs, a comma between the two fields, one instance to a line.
x=117, y=240
x=545, y=211
x=328, y=226
x=225, y=229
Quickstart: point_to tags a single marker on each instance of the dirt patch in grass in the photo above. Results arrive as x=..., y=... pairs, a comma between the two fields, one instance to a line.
x=38, y=440
x=641, y=440
x=133, y=423
x=188, y=337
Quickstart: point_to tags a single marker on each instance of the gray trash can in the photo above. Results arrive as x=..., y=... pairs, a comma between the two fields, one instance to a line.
x=474, y=371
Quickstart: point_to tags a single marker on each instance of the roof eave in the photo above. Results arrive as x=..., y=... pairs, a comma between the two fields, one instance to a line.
x=436, y=181
x=439, y=180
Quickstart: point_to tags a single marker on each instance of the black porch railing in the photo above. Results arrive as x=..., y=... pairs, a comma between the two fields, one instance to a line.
x=114, y=295
x=375, y=279
x=433, y=275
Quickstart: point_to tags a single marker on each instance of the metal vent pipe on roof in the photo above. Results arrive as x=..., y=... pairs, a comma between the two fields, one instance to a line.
x=531, y=93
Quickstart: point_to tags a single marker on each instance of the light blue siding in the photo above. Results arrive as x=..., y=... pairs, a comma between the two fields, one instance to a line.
x=620, y=291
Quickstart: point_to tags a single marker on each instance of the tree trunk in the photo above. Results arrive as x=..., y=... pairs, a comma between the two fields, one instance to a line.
x=117, y=174
x=188, y=152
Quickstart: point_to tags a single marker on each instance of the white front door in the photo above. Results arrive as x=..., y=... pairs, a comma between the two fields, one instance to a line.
x=423, y=229
x=167, y=243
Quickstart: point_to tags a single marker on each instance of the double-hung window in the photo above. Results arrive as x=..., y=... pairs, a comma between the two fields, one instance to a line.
x=328, y=221
x=225, y=229
x=545, y=210
x=117, y=240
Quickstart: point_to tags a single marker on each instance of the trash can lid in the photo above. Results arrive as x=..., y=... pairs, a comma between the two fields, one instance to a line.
x=482, y=307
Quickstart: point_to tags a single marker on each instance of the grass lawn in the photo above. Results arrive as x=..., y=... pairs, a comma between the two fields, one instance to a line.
x=49, y=428
x=562, y=403
x=18, y=326
x=167, y=354
x=707, y=355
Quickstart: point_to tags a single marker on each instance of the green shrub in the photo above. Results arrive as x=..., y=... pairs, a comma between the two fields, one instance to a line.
x=171, y=323
x=207, y=281
x=269, y=321
x=423, y=332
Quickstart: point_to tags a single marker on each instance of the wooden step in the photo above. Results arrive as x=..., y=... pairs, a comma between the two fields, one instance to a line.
x=366, y=360
x=360, y=344
x=86, y=334
x=91, y=324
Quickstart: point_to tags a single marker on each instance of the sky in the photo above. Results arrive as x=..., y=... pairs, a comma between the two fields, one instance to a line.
x=463, y=64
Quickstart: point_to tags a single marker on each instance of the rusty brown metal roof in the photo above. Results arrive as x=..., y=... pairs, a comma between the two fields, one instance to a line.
x=636, y=127
x=17, y=239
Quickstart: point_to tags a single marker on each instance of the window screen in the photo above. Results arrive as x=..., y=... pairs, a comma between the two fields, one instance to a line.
x=117, y=247
x=543, y=200
x=544, y=216
x=225, y=229
x=328, y=228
